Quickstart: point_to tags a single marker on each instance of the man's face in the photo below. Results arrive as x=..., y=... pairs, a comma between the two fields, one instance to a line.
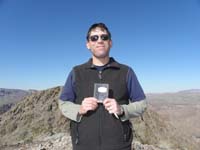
x=99, y=43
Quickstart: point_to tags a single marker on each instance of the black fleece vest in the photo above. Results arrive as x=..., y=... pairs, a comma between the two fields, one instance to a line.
x=99, y=130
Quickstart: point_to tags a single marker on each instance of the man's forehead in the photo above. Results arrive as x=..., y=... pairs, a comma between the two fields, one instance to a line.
x=98, y=30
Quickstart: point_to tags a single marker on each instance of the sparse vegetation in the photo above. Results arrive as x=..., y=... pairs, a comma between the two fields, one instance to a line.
x=38, y=116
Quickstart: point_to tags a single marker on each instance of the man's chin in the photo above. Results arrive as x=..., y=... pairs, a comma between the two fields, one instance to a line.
x=101, y=56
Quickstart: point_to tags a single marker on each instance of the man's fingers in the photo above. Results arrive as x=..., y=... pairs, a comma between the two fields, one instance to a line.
x=89, y=104
x=111, y=105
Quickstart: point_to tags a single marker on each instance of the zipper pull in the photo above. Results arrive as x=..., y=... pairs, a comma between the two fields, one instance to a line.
x=100, y=75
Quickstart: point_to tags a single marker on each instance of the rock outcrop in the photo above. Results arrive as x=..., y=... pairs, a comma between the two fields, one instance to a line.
x=36, y=123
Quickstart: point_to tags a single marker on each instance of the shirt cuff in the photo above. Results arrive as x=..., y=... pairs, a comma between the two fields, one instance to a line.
x=78, y=117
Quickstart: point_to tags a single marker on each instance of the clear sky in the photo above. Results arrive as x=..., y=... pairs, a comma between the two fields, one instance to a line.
x=41, y=40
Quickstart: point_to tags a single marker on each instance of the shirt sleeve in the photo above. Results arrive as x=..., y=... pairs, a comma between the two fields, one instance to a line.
x=133, y=110
x=66, y=100
x=70, y=110
x=68, y=93
x=135, y=90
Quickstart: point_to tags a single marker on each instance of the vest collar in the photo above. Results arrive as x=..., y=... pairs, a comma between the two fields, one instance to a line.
x=111, y=64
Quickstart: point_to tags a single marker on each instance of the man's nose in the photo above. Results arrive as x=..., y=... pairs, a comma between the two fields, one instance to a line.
x=99, y=40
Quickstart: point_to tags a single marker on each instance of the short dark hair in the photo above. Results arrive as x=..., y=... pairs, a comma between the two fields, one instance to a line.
x=100, y=25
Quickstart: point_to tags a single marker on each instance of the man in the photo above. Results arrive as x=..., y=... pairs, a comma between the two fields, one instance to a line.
x=101, y=124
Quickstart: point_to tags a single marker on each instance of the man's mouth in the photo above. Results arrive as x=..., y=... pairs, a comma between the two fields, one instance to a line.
x=101, y=46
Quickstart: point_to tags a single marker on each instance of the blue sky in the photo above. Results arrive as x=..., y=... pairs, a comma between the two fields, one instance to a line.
x=41, y=40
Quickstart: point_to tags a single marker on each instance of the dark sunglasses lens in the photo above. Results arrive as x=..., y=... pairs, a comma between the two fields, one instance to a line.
x=94, y=38
x=104, y=37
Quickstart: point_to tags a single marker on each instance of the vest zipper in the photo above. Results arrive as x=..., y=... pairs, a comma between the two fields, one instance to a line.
x=100, y=75
x=100, y=127
x=100, y=116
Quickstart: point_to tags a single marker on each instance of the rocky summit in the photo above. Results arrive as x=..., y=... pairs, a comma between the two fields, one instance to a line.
x=36, y=123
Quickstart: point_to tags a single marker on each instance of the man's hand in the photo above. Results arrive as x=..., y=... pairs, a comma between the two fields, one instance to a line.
x=89, y=103
x=112, y=106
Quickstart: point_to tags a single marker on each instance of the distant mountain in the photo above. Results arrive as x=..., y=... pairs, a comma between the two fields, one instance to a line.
x=37, y=123
x=11, y=95
x=8, y=97
x=181, y=109
x=185, y=96
x=190, y=91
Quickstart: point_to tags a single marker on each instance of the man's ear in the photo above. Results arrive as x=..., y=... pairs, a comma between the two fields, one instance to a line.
x=87, y=45
x=111, y=43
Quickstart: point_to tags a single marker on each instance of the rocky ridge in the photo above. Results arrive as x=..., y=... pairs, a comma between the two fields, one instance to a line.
x=36, y=123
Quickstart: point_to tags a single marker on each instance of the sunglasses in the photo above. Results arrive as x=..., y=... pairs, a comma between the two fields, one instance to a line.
x=103, y=37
